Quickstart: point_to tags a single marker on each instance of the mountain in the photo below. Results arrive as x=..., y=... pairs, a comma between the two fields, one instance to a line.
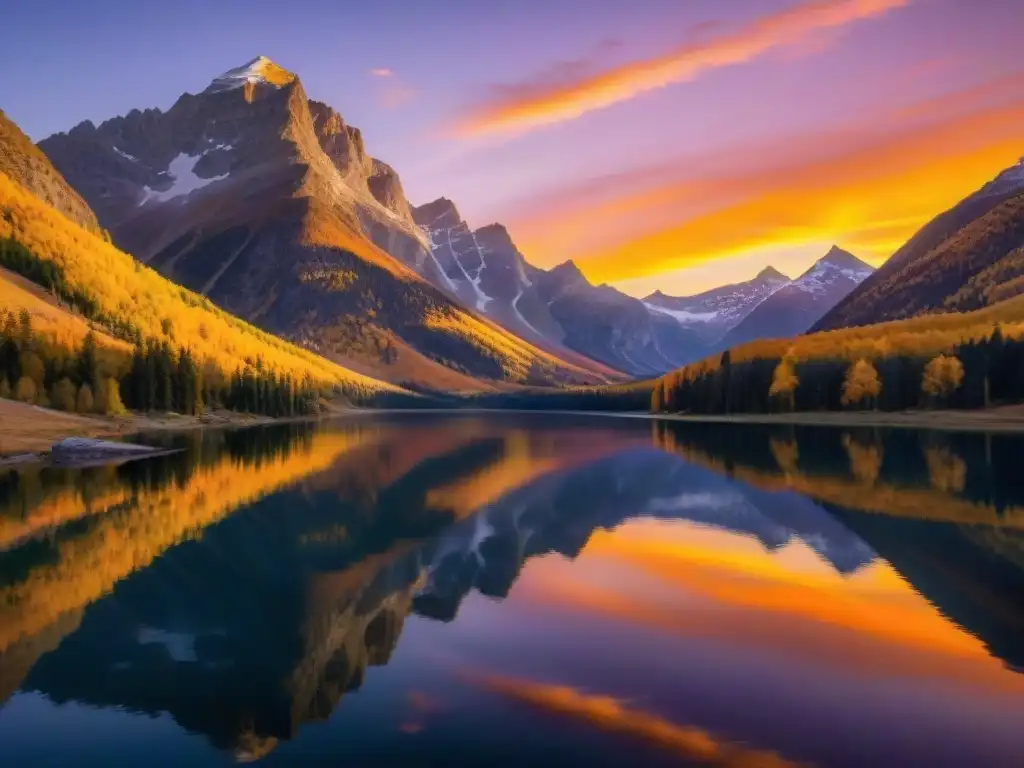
x=714, y=313
x=27, y=166
x=558, y=309
x=965, y=258
x=792, y=309
x=267, y=203
x=72, y=281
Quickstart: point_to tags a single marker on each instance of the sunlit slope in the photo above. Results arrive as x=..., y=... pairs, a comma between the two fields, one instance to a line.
x=130, y=295
x=130, y=533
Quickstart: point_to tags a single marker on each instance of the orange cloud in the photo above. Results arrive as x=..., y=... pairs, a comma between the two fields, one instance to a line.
x=868, y=191
x=691, y=743
x=533, y=104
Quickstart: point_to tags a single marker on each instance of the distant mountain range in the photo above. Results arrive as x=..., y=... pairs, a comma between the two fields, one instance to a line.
x=714, y=313
x=965, y=258
x=769, y=306
x=557, y=309
x=798, y=305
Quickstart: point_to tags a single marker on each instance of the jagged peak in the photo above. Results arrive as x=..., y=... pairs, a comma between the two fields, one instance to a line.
x=568, y=270
x=260, y=70
x=433, y=212
x=770, y=273
x=842, y=258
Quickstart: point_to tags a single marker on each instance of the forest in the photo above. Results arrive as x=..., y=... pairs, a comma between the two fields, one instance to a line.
x=976, y=373
x=159, y=378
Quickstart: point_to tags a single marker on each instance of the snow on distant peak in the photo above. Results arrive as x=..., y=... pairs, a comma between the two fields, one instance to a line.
x=259, y=70
x=826, y=271
x=1009, y=180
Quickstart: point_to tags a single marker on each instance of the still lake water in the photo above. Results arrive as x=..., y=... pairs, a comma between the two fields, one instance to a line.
x=519, y=590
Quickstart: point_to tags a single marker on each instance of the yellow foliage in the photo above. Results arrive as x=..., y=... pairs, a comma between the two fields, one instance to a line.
x=942, y=376
x=32, y=366
x=784, y=381
x=786, y=453
x=862, y=383
x=946, y=471
x=925, y=335
x=135, y=528
x=132, y=293
x=110, y=398
x=515, y=357
x=84, y=400
x=865, y=460
x=63, y=397
x=26, y=390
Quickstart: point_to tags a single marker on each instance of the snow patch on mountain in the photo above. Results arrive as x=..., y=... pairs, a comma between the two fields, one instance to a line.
x=184, y=179
x=683, y=316
x=824, y=274
x=126, y=156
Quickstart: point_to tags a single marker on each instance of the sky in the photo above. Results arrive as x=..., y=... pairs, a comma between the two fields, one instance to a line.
x=660, y=144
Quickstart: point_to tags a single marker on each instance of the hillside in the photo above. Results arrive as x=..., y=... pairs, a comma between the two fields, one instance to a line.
x=23, y=162
x=129, y=301
x=267, y=203
x=965, y=258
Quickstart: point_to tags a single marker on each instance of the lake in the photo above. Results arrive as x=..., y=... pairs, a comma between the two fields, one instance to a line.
x=516, y=589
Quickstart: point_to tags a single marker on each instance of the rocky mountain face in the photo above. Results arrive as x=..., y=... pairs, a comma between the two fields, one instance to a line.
x=558, y=309
x=714, y=313
x=25, y=164
x=965, y=258
x=795, y=307
x=268, y=203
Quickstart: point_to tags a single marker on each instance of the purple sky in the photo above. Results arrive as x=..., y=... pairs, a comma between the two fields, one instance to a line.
x=659, y=143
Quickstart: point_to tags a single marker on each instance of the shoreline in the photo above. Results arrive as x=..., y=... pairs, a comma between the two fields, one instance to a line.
x=1001, y=419
x=28, y=432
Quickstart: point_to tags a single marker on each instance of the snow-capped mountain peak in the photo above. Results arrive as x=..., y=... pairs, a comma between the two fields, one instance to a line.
x=716, y=311
x=835, y=266
x=1010, y=180
x=260, y=70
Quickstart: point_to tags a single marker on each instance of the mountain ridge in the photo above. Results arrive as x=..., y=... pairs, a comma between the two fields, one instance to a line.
x=966, y=257
x=267, y=202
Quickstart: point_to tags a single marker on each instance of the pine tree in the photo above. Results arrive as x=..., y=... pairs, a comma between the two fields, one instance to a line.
x=87, y=367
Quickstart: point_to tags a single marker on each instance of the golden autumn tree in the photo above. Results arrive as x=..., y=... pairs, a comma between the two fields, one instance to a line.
x=784, y=383
x=862, y=385
x=63, y=395
x=942, y=377
x=657, y=399
x=865, y=459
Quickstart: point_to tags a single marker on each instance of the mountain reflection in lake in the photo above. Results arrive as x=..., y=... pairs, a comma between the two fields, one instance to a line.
x=512, y=589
